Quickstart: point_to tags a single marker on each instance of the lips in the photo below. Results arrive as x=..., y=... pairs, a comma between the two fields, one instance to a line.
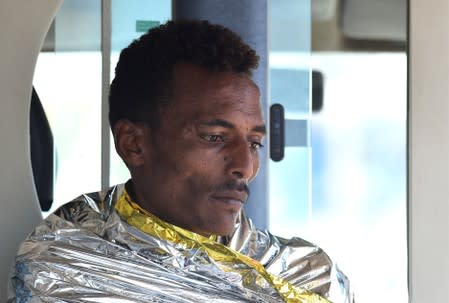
x=231, y=197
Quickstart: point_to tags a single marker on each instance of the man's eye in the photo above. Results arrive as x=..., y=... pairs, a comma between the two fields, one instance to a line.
x=213, y=138
x=256, y=145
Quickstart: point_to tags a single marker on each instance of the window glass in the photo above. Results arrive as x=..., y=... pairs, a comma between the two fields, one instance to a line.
x=68, y=80
x=342, y=185
x=359, y=170
x=289, y=70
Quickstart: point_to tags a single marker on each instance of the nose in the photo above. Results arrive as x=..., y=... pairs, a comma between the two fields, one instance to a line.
x=242, y=162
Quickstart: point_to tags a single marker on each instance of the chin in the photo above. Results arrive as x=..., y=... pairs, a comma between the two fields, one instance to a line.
x=223, y=233
x=224, y=229
x=219, y=221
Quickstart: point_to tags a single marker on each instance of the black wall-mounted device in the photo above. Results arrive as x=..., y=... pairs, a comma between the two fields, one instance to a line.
x=277, y=132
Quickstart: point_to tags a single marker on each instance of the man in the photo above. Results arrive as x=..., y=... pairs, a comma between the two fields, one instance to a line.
x=187, y=122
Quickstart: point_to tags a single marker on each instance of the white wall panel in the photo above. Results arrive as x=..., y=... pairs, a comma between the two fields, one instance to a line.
x=429, y=151
x=23, y=27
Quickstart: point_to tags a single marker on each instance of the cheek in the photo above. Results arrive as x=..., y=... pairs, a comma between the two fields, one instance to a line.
x=188, y=169
x=256, y=166
x=204, y=161
x=204, y=170
x=197, y=170
x=197, y=187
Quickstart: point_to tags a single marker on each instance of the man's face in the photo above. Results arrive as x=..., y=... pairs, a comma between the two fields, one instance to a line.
x=198, y=164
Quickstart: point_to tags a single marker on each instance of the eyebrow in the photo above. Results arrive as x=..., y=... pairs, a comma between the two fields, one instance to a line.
x=226, y=124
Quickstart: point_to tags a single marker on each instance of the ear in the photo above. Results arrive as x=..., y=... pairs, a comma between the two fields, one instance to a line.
x=129, y=139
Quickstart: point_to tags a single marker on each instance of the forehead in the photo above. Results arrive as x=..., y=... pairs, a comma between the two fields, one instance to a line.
x=198, y=91
x=200, y=94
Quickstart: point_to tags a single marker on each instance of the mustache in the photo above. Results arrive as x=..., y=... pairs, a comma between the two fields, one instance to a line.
x=231, y=186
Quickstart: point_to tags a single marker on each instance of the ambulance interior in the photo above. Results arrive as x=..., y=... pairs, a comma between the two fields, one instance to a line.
x=366, y=163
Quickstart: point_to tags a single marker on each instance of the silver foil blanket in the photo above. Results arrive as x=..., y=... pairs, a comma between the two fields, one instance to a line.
x=86, y=252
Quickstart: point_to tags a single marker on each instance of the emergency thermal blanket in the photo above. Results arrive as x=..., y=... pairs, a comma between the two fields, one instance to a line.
x=103, y=247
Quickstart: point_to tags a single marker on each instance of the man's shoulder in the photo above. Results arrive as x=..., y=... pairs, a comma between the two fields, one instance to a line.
x=86, y=213
x=262, y=245
x=299, y=261
x=73, y=248
x=90, y=206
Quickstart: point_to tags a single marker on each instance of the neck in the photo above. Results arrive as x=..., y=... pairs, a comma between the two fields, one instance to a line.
x=138, y=199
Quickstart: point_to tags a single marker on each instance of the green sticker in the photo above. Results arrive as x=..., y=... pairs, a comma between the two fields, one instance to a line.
x=145, y=25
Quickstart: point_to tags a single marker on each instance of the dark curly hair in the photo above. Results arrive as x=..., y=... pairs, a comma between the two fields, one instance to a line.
x=143, y=75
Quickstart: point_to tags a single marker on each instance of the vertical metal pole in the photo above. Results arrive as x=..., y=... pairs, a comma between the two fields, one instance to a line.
x=248, y=18
x=105, y=80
